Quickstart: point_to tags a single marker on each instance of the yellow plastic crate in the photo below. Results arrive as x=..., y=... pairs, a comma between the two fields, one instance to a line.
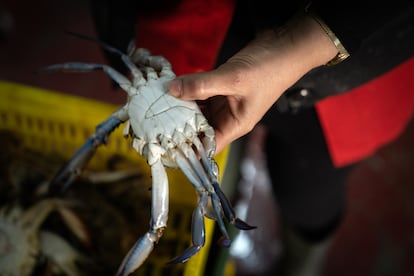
x=55, y=122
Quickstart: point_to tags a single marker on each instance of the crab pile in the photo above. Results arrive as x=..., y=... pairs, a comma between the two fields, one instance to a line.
x=44, y=234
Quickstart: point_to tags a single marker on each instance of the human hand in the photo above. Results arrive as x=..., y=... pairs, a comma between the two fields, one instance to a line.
x=238, y=93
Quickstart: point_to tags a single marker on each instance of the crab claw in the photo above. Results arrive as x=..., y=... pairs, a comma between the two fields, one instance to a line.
x=159, y=214
x=212, y=170
x=185, y=256
x=71, y=169
x=138, y=254
x=228, y=210
x=198, y=232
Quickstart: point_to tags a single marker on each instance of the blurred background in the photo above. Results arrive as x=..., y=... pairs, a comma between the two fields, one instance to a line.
x=377, y=235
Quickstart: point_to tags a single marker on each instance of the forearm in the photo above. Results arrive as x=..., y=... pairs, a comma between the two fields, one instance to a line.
x=245, y=86
x=276, y=59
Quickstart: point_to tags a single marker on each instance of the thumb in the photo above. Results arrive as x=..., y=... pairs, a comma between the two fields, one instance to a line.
x=199, y=86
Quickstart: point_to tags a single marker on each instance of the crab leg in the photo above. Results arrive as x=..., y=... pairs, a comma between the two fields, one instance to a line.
x=87, y=67
x=136, y=73
x=212, y=169
x=202, y=185
x=193, y=177
x=219, y=200
x=159, y=215
x=71, y=169
x=159, y=63
x=123, y=82
x=227, y=207
x=198, y=231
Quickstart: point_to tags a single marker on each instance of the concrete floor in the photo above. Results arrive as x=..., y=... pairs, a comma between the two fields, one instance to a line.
x=377, y=235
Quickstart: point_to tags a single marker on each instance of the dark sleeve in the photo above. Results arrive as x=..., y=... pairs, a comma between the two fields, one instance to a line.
x=377, y=42
x=355, y=21
x=114, y=24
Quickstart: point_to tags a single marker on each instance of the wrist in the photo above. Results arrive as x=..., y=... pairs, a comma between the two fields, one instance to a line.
x=292, y=50
x=342, y=52
x=310, y=40
x=276, y=59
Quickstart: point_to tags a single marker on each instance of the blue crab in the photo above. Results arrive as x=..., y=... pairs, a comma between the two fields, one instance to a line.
x=23, y=241
x=168, y=132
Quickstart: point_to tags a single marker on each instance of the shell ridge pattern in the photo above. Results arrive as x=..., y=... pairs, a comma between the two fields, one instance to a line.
x=162, y=113
x=164, y=104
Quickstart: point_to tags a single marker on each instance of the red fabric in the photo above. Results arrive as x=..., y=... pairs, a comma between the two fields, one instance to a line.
x=190, y=36
x=360, y=121
x=355, y=123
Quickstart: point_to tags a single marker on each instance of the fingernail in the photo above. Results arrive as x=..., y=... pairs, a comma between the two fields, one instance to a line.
x=175, y=87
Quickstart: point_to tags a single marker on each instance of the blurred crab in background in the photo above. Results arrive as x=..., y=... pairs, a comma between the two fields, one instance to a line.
x=22, y=241
x=23, y=212
x=168, y=132
x=44, y=234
